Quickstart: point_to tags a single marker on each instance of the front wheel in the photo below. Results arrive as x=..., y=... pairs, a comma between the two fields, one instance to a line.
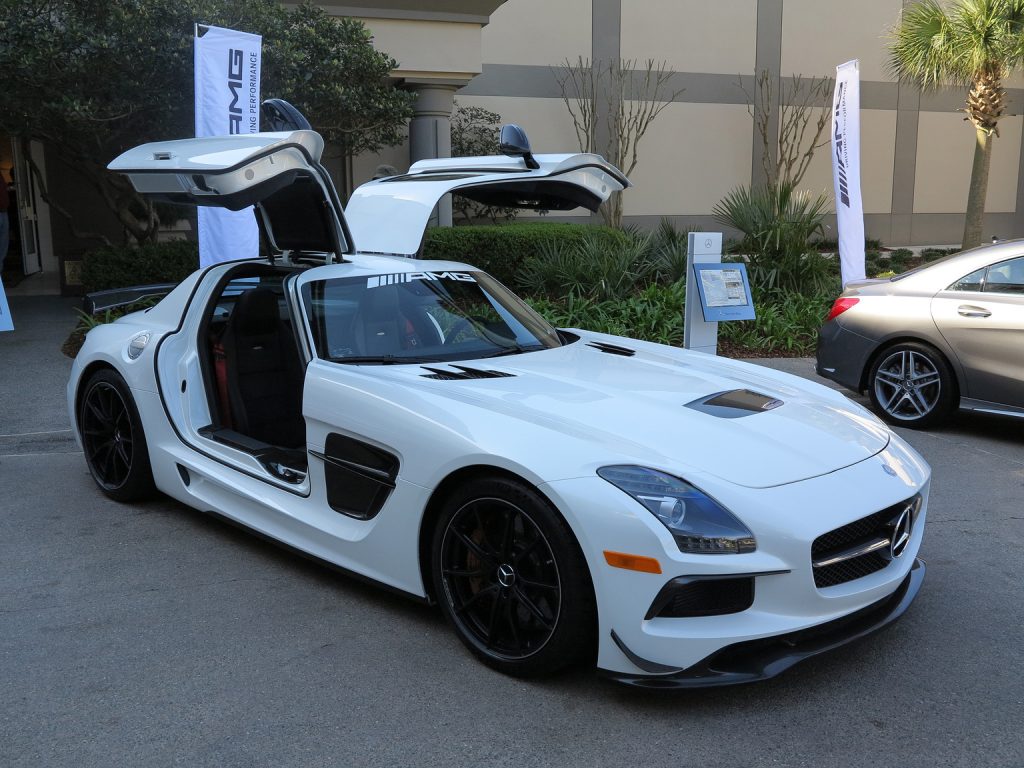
x=911, y=385
x=511, y=579
x=112, y=438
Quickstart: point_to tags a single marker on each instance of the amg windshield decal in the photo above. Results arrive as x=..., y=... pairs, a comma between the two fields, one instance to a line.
x=407, y=277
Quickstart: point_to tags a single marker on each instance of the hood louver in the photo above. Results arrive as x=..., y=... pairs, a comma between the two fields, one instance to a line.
x=462, y=373
x=611, y=349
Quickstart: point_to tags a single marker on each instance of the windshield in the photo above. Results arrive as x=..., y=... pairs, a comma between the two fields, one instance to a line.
x=412, y=317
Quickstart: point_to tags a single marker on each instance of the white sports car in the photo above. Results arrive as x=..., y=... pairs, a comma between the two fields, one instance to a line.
x=565, y=496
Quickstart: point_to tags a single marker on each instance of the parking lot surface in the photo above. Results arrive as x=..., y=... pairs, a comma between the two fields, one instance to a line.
x=152, y=634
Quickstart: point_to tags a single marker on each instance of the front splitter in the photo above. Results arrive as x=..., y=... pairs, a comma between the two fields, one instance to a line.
x=754, y=660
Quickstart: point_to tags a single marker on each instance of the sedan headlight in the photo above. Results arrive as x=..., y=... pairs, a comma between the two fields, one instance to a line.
x=698, y=523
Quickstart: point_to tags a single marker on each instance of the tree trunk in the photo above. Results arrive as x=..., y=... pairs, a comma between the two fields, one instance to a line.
x=974, y=220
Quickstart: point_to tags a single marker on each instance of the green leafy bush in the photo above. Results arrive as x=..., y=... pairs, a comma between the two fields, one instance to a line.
x=778, y=223
x=590, y=266
x=502, y=250
x=123, y=266
x=786, y=322
x=653, y=314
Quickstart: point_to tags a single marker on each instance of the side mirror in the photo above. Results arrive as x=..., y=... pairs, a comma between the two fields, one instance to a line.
x=513, y=142
x=278, y=115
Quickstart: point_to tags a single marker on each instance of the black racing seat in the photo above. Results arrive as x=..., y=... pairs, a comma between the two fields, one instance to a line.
x=264, y=375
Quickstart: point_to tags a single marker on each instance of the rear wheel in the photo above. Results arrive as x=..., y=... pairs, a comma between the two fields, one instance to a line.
x=511, y=579
x=113, y=440
x=911, y=385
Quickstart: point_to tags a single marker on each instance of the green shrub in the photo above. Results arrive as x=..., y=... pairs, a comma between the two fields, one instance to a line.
x=786, y=322
x=502, y=249
x=590, y=266
x=123, y=266
x=778, y=223
x=653, y=314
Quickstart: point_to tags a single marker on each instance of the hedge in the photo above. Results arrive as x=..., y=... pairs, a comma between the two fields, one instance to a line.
x=501, y=249
x=122, y=266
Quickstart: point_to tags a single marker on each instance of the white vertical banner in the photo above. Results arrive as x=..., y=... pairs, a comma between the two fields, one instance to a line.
x=846, y=170
x=227, y=79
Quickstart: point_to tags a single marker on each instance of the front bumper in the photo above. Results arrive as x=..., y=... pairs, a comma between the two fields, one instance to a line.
x=754, y=660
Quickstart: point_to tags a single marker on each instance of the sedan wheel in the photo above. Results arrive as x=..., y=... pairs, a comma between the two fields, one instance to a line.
x=911, y=385
x=112, y=438
x=511, y=579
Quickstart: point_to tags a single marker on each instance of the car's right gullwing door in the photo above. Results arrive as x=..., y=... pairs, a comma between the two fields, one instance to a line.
x=390, y=215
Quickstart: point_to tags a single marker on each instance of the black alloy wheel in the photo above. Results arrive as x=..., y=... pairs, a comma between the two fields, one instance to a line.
x=511, y=579
x=911, y=385
x=112, y=438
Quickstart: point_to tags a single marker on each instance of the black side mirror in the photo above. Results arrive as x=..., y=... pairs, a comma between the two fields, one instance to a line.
x=278, y=115
x=513, y=142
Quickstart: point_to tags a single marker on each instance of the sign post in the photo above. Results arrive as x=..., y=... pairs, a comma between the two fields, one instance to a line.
x=698, y=334
x=714, y=292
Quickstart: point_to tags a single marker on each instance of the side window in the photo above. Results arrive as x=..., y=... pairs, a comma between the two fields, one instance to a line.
x=1005, y=277
x=971, y=282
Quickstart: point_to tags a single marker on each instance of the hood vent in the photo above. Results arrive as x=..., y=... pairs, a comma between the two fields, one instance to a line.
x=462, y=373
x=734, y=404
x=611, y=349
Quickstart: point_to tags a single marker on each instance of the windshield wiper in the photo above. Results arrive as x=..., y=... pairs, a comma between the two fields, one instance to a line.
x=515, y=349
x=384, y=359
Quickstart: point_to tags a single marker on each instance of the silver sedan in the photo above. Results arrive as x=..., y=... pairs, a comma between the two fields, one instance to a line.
x=946, y=335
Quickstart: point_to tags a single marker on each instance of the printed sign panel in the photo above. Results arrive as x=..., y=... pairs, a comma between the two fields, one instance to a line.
x=846, y=170
x=724, y=291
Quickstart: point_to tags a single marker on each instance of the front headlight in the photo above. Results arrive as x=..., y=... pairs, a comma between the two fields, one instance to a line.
x=698, y=523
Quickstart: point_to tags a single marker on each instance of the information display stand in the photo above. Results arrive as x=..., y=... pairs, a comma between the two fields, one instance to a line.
x=714, y=292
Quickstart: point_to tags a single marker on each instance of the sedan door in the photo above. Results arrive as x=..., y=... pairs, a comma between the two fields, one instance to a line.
x=981, y=316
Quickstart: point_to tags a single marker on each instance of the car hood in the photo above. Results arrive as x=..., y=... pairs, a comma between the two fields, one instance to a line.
x=647, y=408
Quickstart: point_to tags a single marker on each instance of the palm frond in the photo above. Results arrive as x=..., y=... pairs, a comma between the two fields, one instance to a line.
x=924, y=47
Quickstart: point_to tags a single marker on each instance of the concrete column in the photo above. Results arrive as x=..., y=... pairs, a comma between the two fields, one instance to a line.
x=430, y=133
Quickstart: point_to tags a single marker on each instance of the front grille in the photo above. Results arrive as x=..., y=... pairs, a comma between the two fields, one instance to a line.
x=863, y=532
x=691, y=596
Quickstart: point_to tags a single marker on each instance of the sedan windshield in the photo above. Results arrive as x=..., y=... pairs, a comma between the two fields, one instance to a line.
x=415, y=317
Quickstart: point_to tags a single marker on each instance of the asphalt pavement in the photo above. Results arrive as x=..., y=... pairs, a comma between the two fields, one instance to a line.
x=153, y=635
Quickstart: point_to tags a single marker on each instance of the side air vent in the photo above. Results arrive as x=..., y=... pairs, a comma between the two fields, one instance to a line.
x=462, y=373
x=611, y=349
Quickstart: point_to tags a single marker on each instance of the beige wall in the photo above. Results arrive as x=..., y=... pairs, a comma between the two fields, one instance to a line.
x=945, y=146
x=818, y=35
x=428, y=47
x=692, y=156
x=691, y=35
x=539, y=32
x=878, y=151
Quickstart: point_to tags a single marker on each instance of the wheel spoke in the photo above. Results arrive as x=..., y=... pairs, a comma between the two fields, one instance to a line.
x=532, y=608
x=537, y=584
x=473, y=547
x=888, y=377
x=476, y=597
x=493, y=620
x=508, y=534
x=461, y=573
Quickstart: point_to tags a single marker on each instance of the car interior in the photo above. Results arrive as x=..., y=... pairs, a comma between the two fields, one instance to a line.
x=253, y=372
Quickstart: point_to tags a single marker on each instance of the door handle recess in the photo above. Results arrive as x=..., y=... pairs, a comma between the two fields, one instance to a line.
x=967, y=310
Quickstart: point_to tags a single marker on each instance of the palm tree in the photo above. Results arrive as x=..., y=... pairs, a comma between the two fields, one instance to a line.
x=970, y=43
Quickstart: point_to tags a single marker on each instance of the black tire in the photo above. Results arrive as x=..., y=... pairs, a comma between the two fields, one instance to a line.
x=911, y=385
x=113, y=439
x=511, y=579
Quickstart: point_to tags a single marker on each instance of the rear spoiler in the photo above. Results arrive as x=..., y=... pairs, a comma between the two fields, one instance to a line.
x=114, y=298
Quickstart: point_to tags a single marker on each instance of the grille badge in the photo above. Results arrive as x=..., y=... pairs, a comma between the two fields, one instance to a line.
x=901, y=532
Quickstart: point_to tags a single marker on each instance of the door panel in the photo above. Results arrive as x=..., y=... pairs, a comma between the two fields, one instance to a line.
x=986, y=330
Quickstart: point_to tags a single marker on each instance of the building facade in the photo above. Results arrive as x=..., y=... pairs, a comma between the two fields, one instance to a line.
x=505, y=56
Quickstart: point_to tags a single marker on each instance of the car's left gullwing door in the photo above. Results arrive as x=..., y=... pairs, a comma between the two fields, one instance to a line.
x=391, y=215
x=279, y=173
